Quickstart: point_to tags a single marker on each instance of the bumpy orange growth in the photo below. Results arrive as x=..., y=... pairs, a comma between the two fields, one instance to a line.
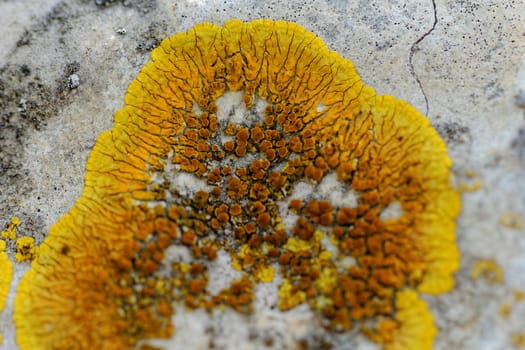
x=308, y=119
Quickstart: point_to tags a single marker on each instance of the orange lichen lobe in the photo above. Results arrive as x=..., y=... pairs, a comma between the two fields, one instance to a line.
x=180, y=169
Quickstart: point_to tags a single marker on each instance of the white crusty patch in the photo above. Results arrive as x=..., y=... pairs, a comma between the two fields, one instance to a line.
x=336, y=192
x=187, y=184
x=392, y=211
x=232, y=109
x=221, y=273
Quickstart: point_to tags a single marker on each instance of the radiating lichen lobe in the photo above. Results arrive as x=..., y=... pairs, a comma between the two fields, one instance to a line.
x=255, y=140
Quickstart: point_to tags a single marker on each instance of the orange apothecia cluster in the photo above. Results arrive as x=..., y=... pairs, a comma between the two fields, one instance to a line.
x=182, y=169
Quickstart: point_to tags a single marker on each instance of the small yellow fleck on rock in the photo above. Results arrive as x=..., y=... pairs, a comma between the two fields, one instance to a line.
x=25, y=250
x=511, y=220
x=489, y=270
x=505, y=310
x=10, y=231
x=471, y=186
x=518, y=339
x=519, y=295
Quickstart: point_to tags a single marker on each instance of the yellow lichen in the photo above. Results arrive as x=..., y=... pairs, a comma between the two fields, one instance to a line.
x=264, y=273
x=519, y=295
x=469, y=186
x=412, y=327
x=505, y=310
x=308, y=119
x=489, y=270
x=25, y=249
x=6, y=275
x=511, y=220
x=10, y=231
x=6, y=266
x=518, y=340
x=289, y=296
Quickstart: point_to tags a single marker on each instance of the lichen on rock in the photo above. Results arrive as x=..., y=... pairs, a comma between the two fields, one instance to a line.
x=220, y=135
x=10, y=231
